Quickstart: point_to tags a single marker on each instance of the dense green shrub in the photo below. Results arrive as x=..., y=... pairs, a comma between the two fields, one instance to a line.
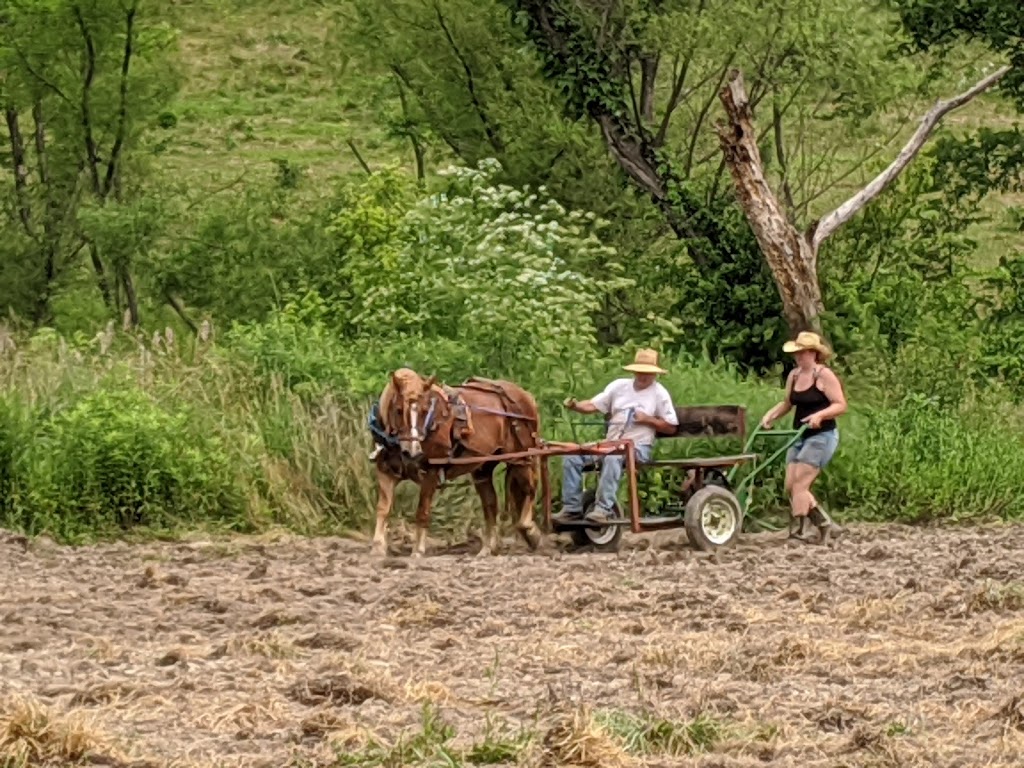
x=115, y=460
x=94, y=444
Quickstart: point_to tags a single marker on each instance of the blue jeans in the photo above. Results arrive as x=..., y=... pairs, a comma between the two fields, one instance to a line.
x=607, y=485
x=816, y=450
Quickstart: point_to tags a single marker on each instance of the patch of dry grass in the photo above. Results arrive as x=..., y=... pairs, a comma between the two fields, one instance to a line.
x=32, y=734
x=572, y=736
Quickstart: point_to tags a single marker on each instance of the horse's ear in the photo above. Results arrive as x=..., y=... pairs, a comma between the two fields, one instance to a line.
x=394, y=380
x=431, y=381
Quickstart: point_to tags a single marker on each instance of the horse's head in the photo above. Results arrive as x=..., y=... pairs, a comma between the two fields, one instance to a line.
x=407, y=412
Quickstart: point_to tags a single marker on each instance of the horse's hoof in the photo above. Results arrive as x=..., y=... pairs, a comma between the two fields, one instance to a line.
x=532, y=537
x=378, y=551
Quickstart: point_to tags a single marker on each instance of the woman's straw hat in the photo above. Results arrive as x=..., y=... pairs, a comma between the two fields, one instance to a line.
x=807, y=340
x=646, y=361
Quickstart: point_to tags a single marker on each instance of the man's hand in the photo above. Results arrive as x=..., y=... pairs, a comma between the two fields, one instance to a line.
x=659, y=425
x=570, y=403
x=641, y=418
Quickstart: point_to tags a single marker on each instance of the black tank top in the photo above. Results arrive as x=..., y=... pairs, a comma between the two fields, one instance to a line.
x=808, y=401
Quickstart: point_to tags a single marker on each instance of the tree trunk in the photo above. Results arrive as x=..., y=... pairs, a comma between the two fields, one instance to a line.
x=130, y=297
x=648, y=79
x=791, y=256
x=20, y=168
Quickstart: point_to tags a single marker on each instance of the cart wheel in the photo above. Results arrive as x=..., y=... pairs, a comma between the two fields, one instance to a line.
x=713, y=518
x=605, y=539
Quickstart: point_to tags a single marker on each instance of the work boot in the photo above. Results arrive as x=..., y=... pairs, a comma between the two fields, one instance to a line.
x=825, y=525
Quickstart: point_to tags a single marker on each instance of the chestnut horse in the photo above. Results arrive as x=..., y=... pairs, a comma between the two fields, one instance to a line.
x=481, y=418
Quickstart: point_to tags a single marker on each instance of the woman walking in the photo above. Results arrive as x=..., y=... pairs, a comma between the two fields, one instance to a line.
x=817, y=395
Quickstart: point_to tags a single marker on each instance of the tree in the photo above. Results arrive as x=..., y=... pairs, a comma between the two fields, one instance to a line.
x=648, y=74
x=80, y=80
x=791, y=254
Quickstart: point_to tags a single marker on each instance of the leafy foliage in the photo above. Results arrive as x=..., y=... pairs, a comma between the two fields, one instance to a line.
x=999, y=24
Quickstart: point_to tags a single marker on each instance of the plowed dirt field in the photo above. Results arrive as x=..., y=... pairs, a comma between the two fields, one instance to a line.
x=894, y=647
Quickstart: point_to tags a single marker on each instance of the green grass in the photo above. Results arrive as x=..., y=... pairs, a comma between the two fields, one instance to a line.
x=266, y=80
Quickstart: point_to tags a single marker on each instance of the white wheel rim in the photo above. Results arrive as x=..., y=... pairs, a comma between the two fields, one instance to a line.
x=601, y=535
x=718, y=521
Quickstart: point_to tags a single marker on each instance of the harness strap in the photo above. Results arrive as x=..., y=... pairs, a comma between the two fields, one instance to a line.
x=376, y=426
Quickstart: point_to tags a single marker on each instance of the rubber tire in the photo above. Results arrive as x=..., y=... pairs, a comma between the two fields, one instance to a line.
x=581, y=537
x=694, y=512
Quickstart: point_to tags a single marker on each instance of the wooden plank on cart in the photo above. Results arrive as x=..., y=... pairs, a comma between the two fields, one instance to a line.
x=711, y=462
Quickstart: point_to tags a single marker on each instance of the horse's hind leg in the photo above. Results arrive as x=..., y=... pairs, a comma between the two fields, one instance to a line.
x=483, y=481
x=385, y=498
x=522, y=490
x=427, y=489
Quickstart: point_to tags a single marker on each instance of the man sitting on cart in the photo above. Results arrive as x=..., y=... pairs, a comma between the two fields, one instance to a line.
x=637, y=408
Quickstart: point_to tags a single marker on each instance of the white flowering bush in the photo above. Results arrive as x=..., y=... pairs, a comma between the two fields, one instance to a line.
x=508, y=272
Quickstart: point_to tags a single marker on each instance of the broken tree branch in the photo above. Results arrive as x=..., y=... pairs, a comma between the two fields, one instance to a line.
x=359, y=157
x=830, y=223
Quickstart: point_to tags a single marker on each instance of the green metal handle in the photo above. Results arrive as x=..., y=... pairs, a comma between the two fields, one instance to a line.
x=791, y=435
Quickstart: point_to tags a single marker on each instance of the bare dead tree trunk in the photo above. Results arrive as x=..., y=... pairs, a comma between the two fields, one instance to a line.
x=788, y=253
x=792, y=255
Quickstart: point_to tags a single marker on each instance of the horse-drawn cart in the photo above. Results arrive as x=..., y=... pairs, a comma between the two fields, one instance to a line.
x=431, y=434
x=712, y=502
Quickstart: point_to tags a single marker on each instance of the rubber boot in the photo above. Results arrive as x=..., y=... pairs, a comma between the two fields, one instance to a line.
x=798, y=528
x=825, y=525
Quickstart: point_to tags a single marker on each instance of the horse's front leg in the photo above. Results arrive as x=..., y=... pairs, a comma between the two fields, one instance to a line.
x=427, y=489
x=386, y=483
x=483, y=480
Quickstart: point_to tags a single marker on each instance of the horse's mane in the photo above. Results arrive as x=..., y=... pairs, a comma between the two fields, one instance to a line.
x=406, y=377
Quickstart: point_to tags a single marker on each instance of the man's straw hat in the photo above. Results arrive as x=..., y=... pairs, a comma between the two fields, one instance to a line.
x=807, y=340
x=646, y=361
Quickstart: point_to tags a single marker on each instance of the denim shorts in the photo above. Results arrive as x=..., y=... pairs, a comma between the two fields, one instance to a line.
x=816, y=450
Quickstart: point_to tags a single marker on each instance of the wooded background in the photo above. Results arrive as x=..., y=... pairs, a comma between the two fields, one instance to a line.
x=227, y=221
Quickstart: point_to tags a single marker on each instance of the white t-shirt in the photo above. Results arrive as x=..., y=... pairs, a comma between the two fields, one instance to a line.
x=620, y=397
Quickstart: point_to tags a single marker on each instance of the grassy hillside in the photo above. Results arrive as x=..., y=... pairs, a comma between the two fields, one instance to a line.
x=269, y=83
